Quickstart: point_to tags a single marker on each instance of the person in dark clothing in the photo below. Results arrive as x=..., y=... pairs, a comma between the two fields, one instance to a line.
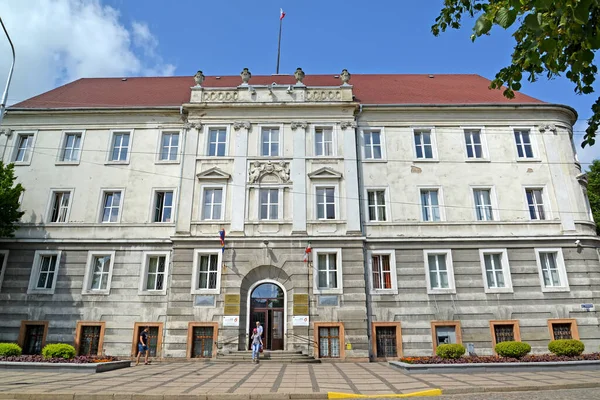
x=143, y=346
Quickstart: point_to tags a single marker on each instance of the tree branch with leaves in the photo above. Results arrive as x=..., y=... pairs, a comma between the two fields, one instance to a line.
x=9, y=200
x=553, y=37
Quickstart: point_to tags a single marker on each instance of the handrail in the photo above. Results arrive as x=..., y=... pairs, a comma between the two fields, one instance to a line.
x=221, y=343
x=309, y=340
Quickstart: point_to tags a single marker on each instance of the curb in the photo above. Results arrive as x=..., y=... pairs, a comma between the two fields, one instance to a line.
x=120, y=396
x=429, y=392
x=506, y=389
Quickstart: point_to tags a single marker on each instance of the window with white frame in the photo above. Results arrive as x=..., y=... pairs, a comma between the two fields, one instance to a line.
x=483, y=204
x=71, y=150
x=3, y=262
x=535, y=203
x=383, y=271
x=24, y=147
x=119, y=151
x=524, y=144
x=588, y=206
x=98, y=274
x=60, y=206
x=439, y=271
x=207, y=271
x=154, y=273
x=552, y=271
x=377, y=205
x=269, y=142
x=327, y=271
x=111, y=206
x=423, y=144
x=44, y=272
x=269, y=204
x=163, y=206
x=212, y=203
x=217, y=142
x=324, y=142
x=430, y=205
x=496, y=271
x=169, y=146
x=325, y=202
x=474, y=144
x=373, y=145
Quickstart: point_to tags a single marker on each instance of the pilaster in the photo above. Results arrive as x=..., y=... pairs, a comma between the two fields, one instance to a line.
x=351, y=177
x=299, y=178
x=240, y=166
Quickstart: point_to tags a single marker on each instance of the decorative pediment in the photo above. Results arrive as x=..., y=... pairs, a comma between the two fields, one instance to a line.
x=269, y=172
x=213, y=174
x=325, y=173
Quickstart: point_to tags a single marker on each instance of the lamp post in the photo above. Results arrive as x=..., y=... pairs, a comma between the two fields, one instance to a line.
x=5, y=95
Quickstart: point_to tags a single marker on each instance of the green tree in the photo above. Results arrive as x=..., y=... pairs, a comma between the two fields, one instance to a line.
x=593, y=191
x=9, y=200
x=552, y=37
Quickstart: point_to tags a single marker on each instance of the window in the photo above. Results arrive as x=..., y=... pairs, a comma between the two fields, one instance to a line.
x=217, y=142
x=32, y=336
x=552, y=272
x=89, y=338
x=207, y=272
x=324, y=142
x=505, y=331
x=495, y=270
x=71, y=149
x=439, y=271
x=155, y=335
x=98, y=274
x=327, y=271
x=44, y=272
x=154, y=273
x=24, y=147
x=269, y=204
x=326, y=203
x=383, y=271
x=473, y=141
x=445, y=332
x=212, y=204
x=423, y=144
x=201, y=340
x=376, y=203
x=563, y=329
x=329, y=342
x=119, y=151
x=483, y=204
x=535, y=203
x=523, y=142
x=169, y=146
x=163, y=206
x=111, y=205
x=269, y=142
x=3, y=262
x=61, y=203
x=373, y=145
x=388, y=339
x=430, y=205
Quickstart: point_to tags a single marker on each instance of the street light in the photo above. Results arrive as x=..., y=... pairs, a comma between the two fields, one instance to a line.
x=5, y=95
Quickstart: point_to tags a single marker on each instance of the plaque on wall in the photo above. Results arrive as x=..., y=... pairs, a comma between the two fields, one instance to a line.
x=328, y=300
x=232, y=299
x=231, y=320
x=204, y=301
x=300, y=304
x=232, y=304
x=231, y=310
x=300, y=320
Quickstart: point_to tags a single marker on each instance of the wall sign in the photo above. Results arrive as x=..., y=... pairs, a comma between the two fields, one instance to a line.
x=231, y=320
x=300, y=320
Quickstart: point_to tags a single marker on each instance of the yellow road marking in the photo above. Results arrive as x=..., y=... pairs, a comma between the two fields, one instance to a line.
x=338, y=395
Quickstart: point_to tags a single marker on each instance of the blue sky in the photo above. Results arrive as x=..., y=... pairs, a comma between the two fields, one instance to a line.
x=221, y=38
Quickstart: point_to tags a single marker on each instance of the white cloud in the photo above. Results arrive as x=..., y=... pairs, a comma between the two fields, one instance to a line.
x=589, y=153
x=58, y=41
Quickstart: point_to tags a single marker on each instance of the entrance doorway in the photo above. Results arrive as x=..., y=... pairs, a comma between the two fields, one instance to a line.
x=267, y=304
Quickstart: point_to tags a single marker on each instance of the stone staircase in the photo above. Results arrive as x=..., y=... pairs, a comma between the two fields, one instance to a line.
x=277, y=356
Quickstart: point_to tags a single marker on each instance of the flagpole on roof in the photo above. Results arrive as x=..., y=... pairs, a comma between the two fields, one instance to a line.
x=281, y=15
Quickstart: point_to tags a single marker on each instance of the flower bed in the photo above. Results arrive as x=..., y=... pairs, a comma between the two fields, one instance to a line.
x=496, y=359
x=75, y=360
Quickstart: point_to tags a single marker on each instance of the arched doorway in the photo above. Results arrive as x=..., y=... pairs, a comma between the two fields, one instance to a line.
x=267, y=304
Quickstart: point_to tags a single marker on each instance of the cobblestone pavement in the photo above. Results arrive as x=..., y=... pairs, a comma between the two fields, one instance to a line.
x=570, y=394
x=194, y=378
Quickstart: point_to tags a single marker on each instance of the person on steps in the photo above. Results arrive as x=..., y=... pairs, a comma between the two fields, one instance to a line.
x=256, y=345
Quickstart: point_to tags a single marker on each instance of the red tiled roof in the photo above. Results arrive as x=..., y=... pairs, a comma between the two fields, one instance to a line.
x=368, y=89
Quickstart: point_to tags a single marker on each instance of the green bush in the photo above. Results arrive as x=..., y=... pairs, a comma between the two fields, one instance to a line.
x=513, y=349
x=9, y=349
x=450, y=350
x=566, y=347
x=58, y=350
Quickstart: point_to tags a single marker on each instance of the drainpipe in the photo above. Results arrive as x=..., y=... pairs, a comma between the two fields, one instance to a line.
x=363, y=230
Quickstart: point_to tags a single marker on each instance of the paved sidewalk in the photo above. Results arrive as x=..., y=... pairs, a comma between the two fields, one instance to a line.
x=268, y=380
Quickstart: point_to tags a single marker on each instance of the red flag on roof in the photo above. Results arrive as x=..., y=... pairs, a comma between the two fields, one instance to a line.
x=281, y=14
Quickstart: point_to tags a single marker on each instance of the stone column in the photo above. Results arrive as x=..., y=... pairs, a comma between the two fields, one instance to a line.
x=351, y=177
x=185, y=197
x=238, y=187
x=299, y=178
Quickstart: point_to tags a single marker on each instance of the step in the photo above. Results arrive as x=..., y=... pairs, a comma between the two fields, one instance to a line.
x=262, y=360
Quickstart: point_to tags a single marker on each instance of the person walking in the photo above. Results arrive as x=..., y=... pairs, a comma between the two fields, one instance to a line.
x=256, y=345
x=259, y=328
x=143, y=347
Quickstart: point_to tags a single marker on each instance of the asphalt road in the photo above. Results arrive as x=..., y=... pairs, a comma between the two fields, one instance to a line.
x=570, y=394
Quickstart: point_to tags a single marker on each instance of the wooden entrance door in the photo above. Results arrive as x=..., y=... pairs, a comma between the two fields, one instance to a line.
x=267, y=305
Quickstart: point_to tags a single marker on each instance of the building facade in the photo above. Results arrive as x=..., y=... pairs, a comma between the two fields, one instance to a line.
x=370, y=216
